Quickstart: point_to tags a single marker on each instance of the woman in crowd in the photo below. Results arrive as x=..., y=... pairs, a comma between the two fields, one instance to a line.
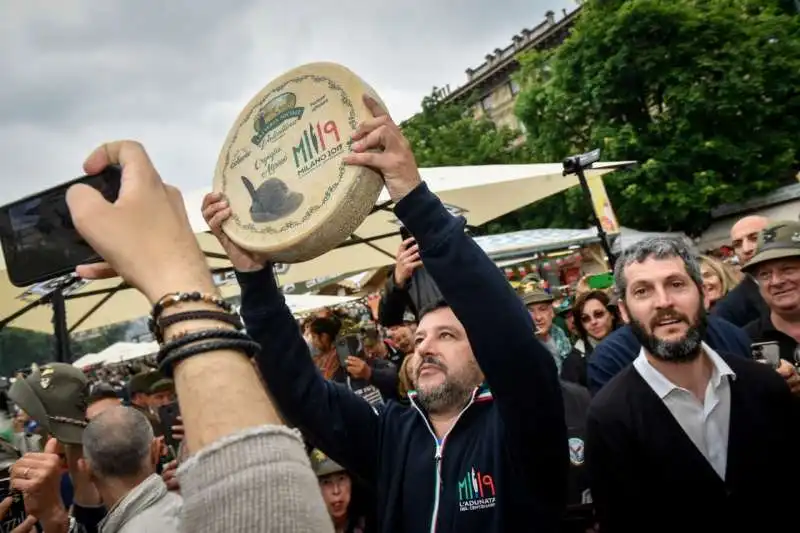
x=718, y=280
x=595, y=319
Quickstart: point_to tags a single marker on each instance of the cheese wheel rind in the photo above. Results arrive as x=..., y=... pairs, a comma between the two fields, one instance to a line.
x=291, y=196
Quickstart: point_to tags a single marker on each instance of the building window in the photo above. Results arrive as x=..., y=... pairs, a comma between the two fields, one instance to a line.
x=514, y=87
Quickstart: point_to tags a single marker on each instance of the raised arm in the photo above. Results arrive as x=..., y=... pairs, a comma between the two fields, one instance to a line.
x=340, y=423
x=519, y=370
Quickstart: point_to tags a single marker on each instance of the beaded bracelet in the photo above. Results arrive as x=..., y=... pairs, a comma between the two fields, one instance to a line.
x=201, y=314
x=174, y=298
x=248, y=347
x=188, y=337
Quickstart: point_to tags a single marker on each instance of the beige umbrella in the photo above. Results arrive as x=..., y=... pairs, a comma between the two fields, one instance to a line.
x=479, y=193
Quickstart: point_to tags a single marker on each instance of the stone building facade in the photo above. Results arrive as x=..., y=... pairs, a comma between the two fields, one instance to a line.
x=491, y=80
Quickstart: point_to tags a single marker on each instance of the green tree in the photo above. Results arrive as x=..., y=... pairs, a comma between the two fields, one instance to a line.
x=448, y=134
x=703, y=93
x=99, y=340
x=19, y=348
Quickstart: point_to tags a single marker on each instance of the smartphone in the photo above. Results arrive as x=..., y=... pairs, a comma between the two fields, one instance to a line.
x=168, y=416
x=16, y=514
x=767, y=352
x=40, y=241
x=404, y=233
x=349, y=346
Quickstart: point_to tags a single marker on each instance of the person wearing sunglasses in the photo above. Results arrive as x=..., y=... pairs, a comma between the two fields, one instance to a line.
x=595, y=319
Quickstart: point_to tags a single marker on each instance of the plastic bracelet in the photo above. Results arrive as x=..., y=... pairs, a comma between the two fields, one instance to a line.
x=200, y=314
x=248, y=347
x=186, y=338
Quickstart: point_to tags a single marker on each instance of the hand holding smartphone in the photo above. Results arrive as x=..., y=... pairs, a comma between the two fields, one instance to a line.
x=37, y=235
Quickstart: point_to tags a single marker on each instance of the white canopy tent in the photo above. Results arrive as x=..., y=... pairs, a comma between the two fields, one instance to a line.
x=479, y=193
x=128, y=351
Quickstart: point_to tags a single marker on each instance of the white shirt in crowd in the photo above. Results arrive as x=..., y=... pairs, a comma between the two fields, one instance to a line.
x=707, y=423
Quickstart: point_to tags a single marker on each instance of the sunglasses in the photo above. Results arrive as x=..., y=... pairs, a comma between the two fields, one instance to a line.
x=597, y=315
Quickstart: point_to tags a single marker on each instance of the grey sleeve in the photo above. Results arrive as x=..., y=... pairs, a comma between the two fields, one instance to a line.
x=256, y=481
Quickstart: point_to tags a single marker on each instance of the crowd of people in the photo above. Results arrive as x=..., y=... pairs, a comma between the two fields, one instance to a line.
x=667, y=402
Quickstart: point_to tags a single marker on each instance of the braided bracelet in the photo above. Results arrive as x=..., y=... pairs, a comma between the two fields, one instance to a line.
x=188, y=337
x=201, y=314
x=174, y=298
x=248, y=347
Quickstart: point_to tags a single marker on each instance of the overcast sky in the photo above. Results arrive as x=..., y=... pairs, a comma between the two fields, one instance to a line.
x=175, y=74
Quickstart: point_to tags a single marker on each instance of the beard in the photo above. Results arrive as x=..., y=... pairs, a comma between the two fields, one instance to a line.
x=682, y=350
x=452, y=393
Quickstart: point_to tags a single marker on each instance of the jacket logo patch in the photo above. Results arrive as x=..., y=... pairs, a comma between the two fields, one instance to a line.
x=576, y=451
x=476, y=491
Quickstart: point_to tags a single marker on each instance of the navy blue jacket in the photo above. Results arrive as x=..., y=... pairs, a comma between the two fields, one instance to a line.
x=503, y=467
x=619, y=349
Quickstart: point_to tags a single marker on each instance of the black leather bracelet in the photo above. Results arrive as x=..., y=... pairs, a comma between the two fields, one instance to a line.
x=248, y=347
x=200, y=335
x=174, y=298
x=200, y=314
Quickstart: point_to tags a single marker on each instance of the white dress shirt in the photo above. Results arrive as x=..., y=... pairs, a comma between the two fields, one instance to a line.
x=706, y=423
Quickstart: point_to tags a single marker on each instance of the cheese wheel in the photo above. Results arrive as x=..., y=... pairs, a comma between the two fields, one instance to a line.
x=292, y=198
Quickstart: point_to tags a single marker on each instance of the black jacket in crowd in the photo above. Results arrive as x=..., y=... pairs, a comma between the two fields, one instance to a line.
x=418, y=292
x=647, y=474
x=742, y=305
x=503, y=466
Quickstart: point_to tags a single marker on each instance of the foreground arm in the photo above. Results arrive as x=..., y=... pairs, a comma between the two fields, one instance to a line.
x=519, y=369
x=145, y=236
x=338, y=421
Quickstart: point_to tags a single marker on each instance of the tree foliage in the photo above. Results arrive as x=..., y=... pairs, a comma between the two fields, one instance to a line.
x=448, y=134
x=704, y=94
x=19, y=348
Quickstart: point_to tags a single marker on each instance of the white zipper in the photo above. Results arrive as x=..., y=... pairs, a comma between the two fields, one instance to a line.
x=437, y=457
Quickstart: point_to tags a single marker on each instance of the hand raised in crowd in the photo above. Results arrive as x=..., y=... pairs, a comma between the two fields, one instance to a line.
x=788, y=372
x=358, y=368
x=215, y=212
x=145, y=235
x=407, y=261
x=177, y=429
x=38, y=477
x=27, y=526
x=170, y=476
x=380, y=145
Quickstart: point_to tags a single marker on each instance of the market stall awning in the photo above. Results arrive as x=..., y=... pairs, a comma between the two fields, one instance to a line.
x=479, y=193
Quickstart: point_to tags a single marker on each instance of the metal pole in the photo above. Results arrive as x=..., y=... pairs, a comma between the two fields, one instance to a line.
x=600, y=231
x=576, y=165
x=60, y=330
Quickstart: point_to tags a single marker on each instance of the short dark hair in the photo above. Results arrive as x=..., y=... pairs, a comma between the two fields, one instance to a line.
x=433, y=306
x=326, y=325
x=101, y=391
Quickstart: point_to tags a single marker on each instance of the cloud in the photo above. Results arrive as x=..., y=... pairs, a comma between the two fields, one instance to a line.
x=175, y=74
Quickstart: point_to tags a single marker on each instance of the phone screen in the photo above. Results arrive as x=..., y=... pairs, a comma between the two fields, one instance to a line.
x=349, y=346
x=16, y=514
x=767, y=352
x=168, y=416
x=38, y=237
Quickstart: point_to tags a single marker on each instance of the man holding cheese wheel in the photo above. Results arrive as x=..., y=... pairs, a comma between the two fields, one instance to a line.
x=483, y=446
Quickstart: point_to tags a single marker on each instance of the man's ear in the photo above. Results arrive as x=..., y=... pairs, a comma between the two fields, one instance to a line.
x=84, y=468
x=155, y=450
x=623, y=311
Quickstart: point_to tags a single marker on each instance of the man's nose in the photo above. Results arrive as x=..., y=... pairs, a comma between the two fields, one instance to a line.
x=662, y=298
